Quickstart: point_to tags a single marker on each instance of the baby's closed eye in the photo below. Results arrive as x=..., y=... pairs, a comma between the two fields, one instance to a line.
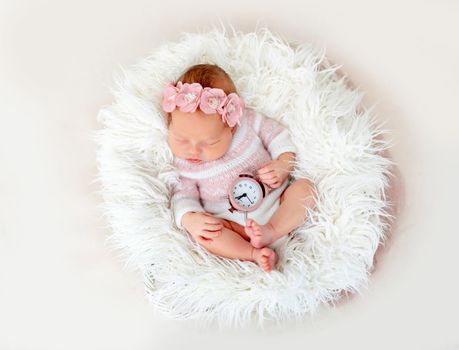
x=213, y=143
x=180, y=140
x=205, y=144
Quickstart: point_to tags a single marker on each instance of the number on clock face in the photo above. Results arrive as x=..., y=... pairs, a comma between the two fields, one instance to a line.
x=246, y=193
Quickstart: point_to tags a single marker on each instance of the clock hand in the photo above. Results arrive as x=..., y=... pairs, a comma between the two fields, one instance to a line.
x=249, y=199
x=242, y=195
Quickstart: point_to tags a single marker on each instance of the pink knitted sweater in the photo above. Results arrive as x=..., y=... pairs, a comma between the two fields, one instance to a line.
x=204, y=186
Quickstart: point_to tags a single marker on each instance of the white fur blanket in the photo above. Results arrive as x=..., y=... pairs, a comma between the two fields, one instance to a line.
x=339, y=148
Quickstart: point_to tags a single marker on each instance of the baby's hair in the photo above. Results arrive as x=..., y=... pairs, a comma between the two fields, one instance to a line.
x=208, y=75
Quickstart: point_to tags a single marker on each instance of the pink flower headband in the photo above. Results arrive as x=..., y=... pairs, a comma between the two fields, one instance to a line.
x=189, y=96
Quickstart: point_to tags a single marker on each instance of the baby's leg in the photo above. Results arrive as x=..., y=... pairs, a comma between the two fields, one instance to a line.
x=290, y=214
x=236, y=228
x=231, y=245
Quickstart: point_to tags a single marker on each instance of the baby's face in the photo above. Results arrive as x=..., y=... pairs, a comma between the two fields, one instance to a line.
x=198, y=137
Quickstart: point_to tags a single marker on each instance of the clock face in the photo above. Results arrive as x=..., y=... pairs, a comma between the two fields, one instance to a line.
x=246, y=194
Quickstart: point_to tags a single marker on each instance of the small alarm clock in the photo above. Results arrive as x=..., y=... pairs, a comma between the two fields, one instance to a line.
x=246, y=193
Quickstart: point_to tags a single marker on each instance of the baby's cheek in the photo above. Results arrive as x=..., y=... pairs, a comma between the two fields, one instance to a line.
x=213, y=153
x=225, y=146
x=225, y=149
x=176, y=150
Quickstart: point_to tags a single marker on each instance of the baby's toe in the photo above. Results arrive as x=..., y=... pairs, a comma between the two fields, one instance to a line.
x=255, y=242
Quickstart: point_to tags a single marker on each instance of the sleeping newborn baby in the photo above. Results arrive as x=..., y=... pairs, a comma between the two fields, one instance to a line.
x=214, y=139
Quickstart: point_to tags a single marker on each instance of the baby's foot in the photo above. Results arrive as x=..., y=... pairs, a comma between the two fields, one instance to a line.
x=260, y=235
x=265, y=257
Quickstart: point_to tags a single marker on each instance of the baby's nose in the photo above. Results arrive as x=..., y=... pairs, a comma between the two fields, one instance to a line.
x=194, y=151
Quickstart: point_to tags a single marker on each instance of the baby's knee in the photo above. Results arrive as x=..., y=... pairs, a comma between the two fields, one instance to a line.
x=308, y=191
x=235, y=227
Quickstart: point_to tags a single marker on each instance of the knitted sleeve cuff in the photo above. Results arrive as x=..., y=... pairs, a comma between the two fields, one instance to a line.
x=281, y=144
x=181, y=206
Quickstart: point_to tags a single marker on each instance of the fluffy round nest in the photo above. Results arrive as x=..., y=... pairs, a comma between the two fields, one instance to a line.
x=340, y=148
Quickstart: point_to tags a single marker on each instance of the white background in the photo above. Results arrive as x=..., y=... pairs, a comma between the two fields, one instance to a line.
x=61, y=288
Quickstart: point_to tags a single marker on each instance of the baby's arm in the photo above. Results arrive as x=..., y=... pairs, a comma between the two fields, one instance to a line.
x=288, y=159
x=189, y=213
x=202, y=226
x=277, y=171
x=276, y=139
x=274, y=136
x=185, y=198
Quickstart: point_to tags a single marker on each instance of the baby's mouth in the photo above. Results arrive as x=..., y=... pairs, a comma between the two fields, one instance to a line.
x=193, y=160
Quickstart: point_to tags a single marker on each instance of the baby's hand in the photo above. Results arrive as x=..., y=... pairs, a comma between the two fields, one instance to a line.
x=202, y=226
x=275, y=172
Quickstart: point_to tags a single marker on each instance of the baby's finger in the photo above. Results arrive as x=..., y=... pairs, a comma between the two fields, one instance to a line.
x=268, y=176
x=271, y=181
x=211, y=234
x=213, y=227
x=203, y=239
x=212, y=221
x=265, y=170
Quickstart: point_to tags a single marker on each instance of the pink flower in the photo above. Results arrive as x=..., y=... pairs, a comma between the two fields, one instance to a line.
x=212, y=100
x=169, y=95
x=232, y=111
x=188, y=97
